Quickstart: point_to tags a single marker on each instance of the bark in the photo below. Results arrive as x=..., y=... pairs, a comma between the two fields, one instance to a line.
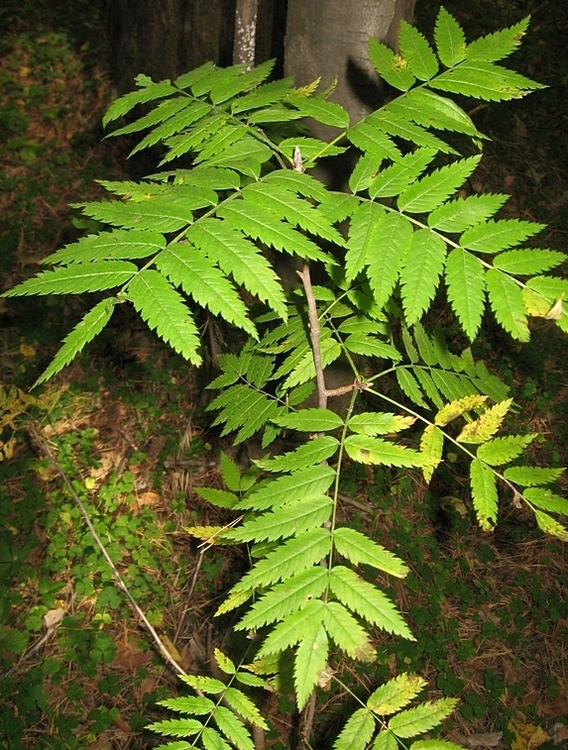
x=329, y=38
x=164, y=38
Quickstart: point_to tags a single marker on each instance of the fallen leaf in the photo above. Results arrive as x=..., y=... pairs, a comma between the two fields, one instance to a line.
x=526, y=736
x=53, y=617
x=485, y=739
x=559, y=733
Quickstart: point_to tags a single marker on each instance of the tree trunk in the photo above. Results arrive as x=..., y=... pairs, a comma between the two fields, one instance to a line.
x=329, y=38
x=164, y=38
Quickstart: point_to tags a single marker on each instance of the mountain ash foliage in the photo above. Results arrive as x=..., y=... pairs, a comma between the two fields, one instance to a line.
x=235, y=192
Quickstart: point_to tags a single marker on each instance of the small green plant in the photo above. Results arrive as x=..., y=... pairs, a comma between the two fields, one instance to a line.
x=370, y=263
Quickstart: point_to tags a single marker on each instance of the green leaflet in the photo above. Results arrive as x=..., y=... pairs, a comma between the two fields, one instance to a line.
x=431, y=447
x=395, y=178
x=357, y=732
x=199, y=277
x=385, y=262
x=294, y=628
x=422, y=266
x=506, y=300
x=499, y=44
x=243, y=410
x=528, y=261
x=290, y=520
x=364, y=237
x=313, y=481
x=494, y=236
x=421, y=718
x=392, y=124
x=192, y=112
x=233, y=728
x=390, y=66
x=297, y=211
x=374, y=141
x=465, y=278
x=266, y=226
x=92, y=324
x=464, y=213
x=395, y=694
x=147, y=92
x=117, y=244
x=291, y=557
x=358, y=548
x=311, y=420
x=347, y=633
x=284, y=598
x=164, y=310
x=211, y=740
x=503, y=450
x=417, y=52
x=547, y=500
x=239, y=257
x=77, y=279
x=367, y=601
x=262, y=96
x=531, y=476
x=431, y=191
x=430, y=110
x=483, y=80
x=484, y=492
x=379, y=423
x=370, y=450
x=315, y=451
x=385, y=740
x=450, y=39
x=310, y=663
x=243, y=706
x=176, y=727
x=328, y=113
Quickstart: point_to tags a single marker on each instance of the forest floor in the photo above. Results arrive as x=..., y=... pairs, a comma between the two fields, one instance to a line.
x=125, y=425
